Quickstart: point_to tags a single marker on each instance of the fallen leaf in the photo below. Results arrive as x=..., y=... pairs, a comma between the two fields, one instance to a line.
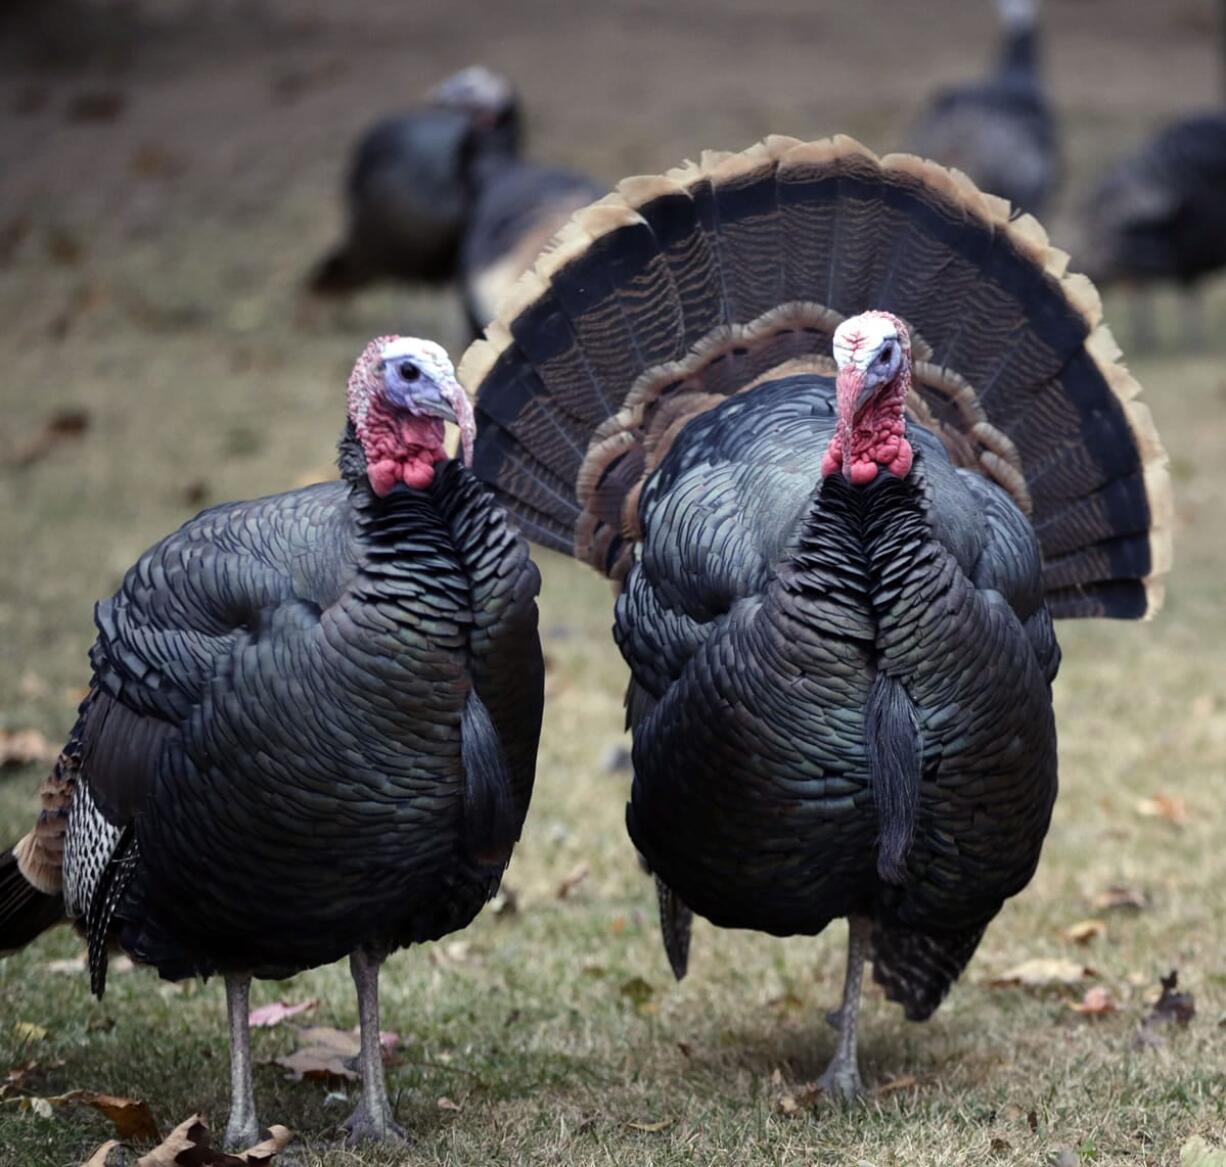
x=1096, y=1003
x=266, y=1016
x=1042, y=972
x=1199, y=1152
x=572, y=879
x=1171, y=1008
x=1164, y=806
x=22, y=1079
x=651, y=1127
x=1118, y=897
x=446, y=1103
x=801, y=1098
x=27, y=1031
x=1084, y=931
x=638, y=992
x=131, y=1117
x=999, y=1146
x=325, y=1054
x=100, y=1156
x=62, y=426
x=40, y=1106
x=902, y=1082
x=188, y=1146
x=24, y=747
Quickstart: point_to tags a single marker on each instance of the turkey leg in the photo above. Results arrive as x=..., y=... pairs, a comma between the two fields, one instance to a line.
x=373, y=1117
x=842, y=1076
x=242, y=1131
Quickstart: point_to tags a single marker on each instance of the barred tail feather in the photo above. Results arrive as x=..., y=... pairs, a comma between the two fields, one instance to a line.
x=681, y=289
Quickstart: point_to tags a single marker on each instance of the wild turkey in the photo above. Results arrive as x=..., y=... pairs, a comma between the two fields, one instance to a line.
x=410, y=188
x=1160, y=214
x=519, y=208
x=311, y=730
x=837, y=614
x=999, y=131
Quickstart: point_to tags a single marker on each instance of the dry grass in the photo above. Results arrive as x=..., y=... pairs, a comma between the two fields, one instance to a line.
x=179, y=338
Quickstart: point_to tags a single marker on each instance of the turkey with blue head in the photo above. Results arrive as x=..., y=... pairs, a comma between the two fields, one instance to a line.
x=311, y=729
x=846, y=435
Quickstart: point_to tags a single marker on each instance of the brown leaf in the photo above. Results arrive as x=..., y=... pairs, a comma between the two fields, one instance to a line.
x=188, y=1146
x=131, y=1117
x=1096, y=1002
x=1043, y=972
x=24, y=1078
x=100, y=1156
x=266, y=1016
x=24, y=747
x=63, y=426
x=446, y=1103
x=1117, y=897
x=1084, y=931
x=800, y=1098
x=1171, y=1008
x=1164, y=806
x=638, y=992
x=572, y=879
x=325, y=1054
x=902, y=1082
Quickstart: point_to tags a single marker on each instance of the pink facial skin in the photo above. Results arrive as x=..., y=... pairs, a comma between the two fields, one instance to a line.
x=400, y=448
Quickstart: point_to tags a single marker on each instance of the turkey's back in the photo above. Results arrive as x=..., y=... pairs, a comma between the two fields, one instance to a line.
x=763, y=606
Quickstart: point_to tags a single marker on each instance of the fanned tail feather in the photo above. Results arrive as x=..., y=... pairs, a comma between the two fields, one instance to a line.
x=679, y=290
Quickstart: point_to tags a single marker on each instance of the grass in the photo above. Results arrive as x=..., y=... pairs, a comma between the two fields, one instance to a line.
x=557, y=1030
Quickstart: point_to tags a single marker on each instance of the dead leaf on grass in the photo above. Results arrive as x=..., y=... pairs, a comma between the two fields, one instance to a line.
x=1097, y=1002
x=446, y=1103
x=100, y=1156
x=1117, y=897
x=62, y=426
x=24, y=747
x=1084, y=931
x=131, y=1117
x=572, y=879
x=638, y=992
x=1171, y=1008
x=1164, y=806
x=902, y=1082
x=798, y=1099
x=1199, y=1152
x=325, y=1054
x=266, y=1016
x=188, y=1146
x=22, y=1079
x=27, y=1031
x=1043, y=972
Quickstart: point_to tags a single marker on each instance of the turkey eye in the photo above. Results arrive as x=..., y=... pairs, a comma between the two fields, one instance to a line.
x=409, y=371
x=886, y=353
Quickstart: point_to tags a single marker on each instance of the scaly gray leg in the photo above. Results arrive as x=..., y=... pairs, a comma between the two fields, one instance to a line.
x=841, y=1079
x=242, y=1131
x=373, y=1117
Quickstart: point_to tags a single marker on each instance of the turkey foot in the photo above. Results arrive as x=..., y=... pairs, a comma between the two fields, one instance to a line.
x=377, y=1125
x=242, y=1129
x=841, y=1079
x=373, y=1117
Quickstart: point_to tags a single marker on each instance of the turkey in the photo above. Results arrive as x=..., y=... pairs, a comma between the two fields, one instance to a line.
x=1160, y=214
x=999, y=131
x=311, y=729
x=410, y=188
x=846, y=437
x=519, y=207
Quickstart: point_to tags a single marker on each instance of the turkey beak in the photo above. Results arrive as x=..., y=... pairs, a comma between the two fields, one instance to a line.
x=851, y=393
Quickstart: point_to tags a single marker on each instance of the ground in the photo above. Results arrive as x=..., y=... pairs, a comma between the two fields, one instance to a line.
x=167, y=173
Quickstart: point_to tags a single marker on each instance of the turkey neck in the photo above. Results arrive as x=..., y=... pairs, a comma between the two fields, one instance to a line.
x=859, y=551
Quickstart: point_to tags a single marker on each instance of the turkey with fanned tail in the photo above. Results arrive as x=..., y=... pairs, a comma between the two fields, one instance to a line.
x=311, y=730
x=847, y=437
